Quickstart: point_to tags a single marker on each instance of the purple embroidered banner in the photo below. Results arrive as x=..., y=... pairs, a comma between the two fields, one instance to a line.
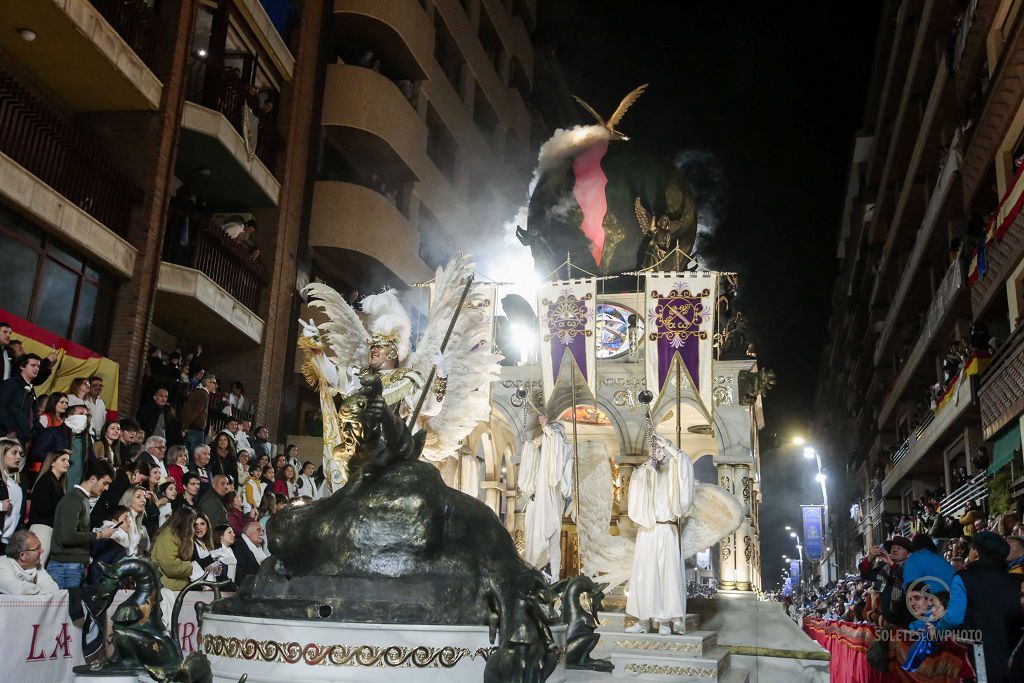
x=680, y=318
x=567, y=326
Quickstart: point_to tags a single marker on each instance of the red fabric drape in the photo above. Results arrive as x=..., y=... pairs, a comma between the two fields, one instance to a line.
x=848, y=644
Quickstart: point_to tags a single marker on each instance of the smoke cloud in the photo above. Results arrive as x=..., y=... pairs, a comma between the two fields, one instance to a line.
x=706, y=175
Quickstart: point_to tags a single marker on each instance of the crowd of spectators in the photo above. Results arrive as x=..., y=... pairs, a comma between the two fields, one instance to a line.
x=192, y=488
x=966, y=585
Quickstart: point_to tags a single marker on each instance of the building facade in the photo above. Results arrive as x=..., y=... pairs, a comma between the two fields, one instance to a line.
x=366, y=140
x=919, y=390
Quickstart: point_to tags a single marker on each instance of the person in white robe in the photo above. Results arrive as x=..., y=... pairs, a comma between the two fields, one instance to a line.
x=545, y=477
x=660, y=496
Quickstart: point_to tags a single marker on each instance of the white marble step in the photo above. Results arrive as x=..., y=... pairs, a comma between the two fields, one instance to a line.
x=693, y=643
x=670, y=667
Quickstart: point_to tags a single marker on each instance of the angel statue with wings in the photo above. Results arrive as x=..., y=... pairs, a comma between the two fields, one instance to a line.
x=339, y=349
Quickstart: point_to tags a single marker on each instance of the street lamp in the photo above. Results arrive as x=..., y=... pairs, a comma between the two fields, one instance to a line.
x=811, y=454
x=789, y=528
x=799, y=441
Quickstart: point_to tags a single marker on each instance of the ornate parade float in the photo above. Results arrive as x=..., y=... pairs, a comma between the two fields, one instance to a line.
x=505, y=494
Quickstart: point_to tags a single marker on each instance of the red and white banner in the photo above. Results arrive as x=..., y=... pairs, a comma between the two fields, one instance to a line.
x=41, y=645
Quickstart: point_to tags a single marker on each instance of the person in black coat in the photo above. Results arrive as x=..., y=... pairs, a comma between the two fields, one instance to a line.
x=111, y=498
x=248, y=562
x=18, y=400
x=993, y=602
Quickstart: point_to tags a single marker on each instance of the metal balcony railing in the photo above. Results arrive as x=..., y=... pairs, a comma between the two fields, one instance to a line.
x=223, y=90
x=50, y=148
x=916, y=434
x=975, y=489
x=135, y=21
x=208, y=249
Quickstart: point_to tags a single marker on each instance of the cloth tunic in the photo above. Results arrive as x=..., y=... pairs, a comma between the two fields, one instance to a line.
x=659, y=500
x=545, y=472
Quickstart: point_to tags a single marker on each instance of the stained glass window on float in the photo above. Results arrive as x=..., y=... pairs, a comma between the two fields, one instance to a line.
x=613, y=330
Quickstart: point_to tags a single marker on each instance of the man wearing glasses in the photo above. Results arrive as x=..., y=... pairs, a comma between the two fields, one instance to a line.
x=195, y=416
x=20, y=572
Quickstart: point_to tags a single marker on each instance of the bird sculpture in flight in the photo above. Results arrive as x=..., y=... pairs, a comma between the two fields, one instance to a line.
x=614, y=119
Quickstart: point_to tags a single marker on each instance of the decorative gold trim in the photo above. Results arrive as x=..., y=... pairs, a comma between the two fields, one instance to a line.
x=314, y=654
x=655, y=645
x=727, y=585
x=743, y=586
x=696, y=671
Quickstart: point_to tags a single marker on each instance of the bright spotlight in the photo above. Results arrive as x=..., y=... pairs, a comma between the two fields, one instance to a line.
x=819, y=477
x=809, y=453
x=792, y=534
x=799, y=441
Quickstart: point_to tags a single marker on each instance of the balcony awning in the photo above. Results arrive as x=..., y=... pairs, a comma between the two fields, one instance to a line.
x=1007, y=445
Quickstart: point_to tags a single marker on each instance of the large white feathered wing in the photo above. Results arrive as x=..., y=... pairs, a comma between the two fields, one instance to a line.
x=604, y=557
x=343, y=330
x=471, y=364
x=715, y=514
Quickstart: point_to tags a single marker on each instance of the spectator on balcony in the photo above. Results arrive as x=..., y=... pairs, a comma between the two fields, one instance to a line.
x=368, y=60
x=18, y=400
x=181, y=226
x=97, y=408
x=195, y=360
x=56, y=410
x=79, y=388
x=6, y=353
x=195, y=416
x=14, y=349
x=237, y=404
x=71, y=435
x=243, y=233
x=971, y=515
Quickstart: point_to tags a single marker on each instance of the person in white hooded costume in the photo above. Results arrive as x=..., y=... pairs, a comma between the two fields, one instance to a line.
x=660, y=496
x=545, y=477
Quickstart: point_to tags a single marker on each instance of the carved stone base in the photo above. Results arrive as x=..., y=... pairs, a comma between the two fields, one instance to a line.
x=695, y=656
x=743, y=586
x=727, y=585
x=279, y=650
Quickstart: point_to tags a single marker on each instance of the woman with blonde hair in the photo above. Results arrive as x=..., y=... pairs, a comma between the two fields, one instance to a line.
x=49, y=488
x=173, y=549
x=135, y=499
x=12, y=496
x=177, y=463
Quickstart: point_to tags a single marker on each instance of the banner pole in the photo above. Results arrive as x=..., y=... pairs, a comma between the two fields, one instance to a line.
x=679, y=403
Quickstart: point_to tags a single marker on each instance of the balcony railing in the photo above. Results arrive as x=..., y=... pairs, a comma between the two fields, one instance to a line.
x=960, y=43
x=915, y=435
x=51, y=149
x=1002, y=386
x=949, y=289
x=955, y=504
x=197, y=242
x=224, y=91
x=135, y=21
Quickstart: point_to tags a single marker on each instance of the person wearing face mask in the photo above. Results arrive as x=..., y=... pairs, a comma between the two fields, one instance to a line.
x=71, y=435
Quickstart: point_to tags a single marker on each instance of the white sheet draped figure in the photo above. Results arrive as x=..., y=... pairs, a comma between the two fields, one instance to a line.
x=659, y=501
x=545, y=473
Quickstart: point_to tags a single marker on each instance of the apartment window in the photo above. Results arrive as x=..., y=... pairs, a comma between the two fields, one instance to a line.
x=490, y=42
x=447, y=54
x=52, y=286
x=440, y=145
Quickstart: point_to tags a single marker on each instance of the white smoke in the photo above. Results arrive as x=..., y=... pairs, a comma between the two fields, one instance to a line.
x=513, y=263
x=704, y=171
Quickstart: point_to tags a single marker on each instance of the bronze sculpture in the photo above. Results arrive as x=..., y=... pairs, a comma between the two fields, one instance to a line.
x=395, y=545
x=138, y=636
x=581, y=636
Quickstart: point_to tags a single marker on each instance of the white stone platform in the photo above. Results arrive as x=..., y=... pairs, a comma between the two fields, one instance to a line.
x=277, y=651
x=693, y=656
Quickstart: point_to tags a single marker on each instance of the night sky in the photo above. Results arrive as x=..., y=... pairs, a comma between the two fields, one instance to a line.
x=766, y=97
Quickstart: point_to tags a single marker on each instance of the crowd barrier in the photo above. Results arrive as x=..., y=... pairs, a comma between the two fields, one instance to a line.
x=848, y=643
x=41, y=644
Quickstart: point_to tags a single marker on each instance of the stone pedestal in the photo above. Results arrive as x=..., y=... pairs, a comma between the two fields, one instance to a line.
x=694, y=656
x=276, y=650
x=86, y=676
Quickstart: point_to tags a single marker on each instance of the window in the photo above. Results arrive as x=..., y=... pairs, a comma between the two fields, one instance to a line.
x=440, y=145
x=435, y=245
x=485, y=118
x=491, y=42
x=53, y=287
x=447, y=55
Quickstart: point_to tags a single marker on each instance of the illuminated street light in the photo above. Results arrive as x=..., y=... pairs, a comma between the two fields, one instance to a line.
x=792, y=534
x=789, y=528
x=820, y=478
x=799, y=441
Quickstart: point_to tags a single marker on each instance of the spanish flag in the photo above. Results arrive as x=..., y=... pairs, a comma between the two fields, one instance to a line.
x=73, y=360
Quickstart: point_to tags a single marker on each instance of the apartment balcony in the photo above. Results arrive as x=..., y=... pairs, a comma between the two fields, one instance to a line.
x=215, y=272
x=955, y=503
x=922, y=241
x=1004, y=97
x=267, y=29
x=910, y=458
x=1003, y=254
x=57, y=175
x=370, y=120
x=359, y=233
x=104, y=49
x=227, y=163
x=1002, y=386
x=945, y=303
x=398, y=30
